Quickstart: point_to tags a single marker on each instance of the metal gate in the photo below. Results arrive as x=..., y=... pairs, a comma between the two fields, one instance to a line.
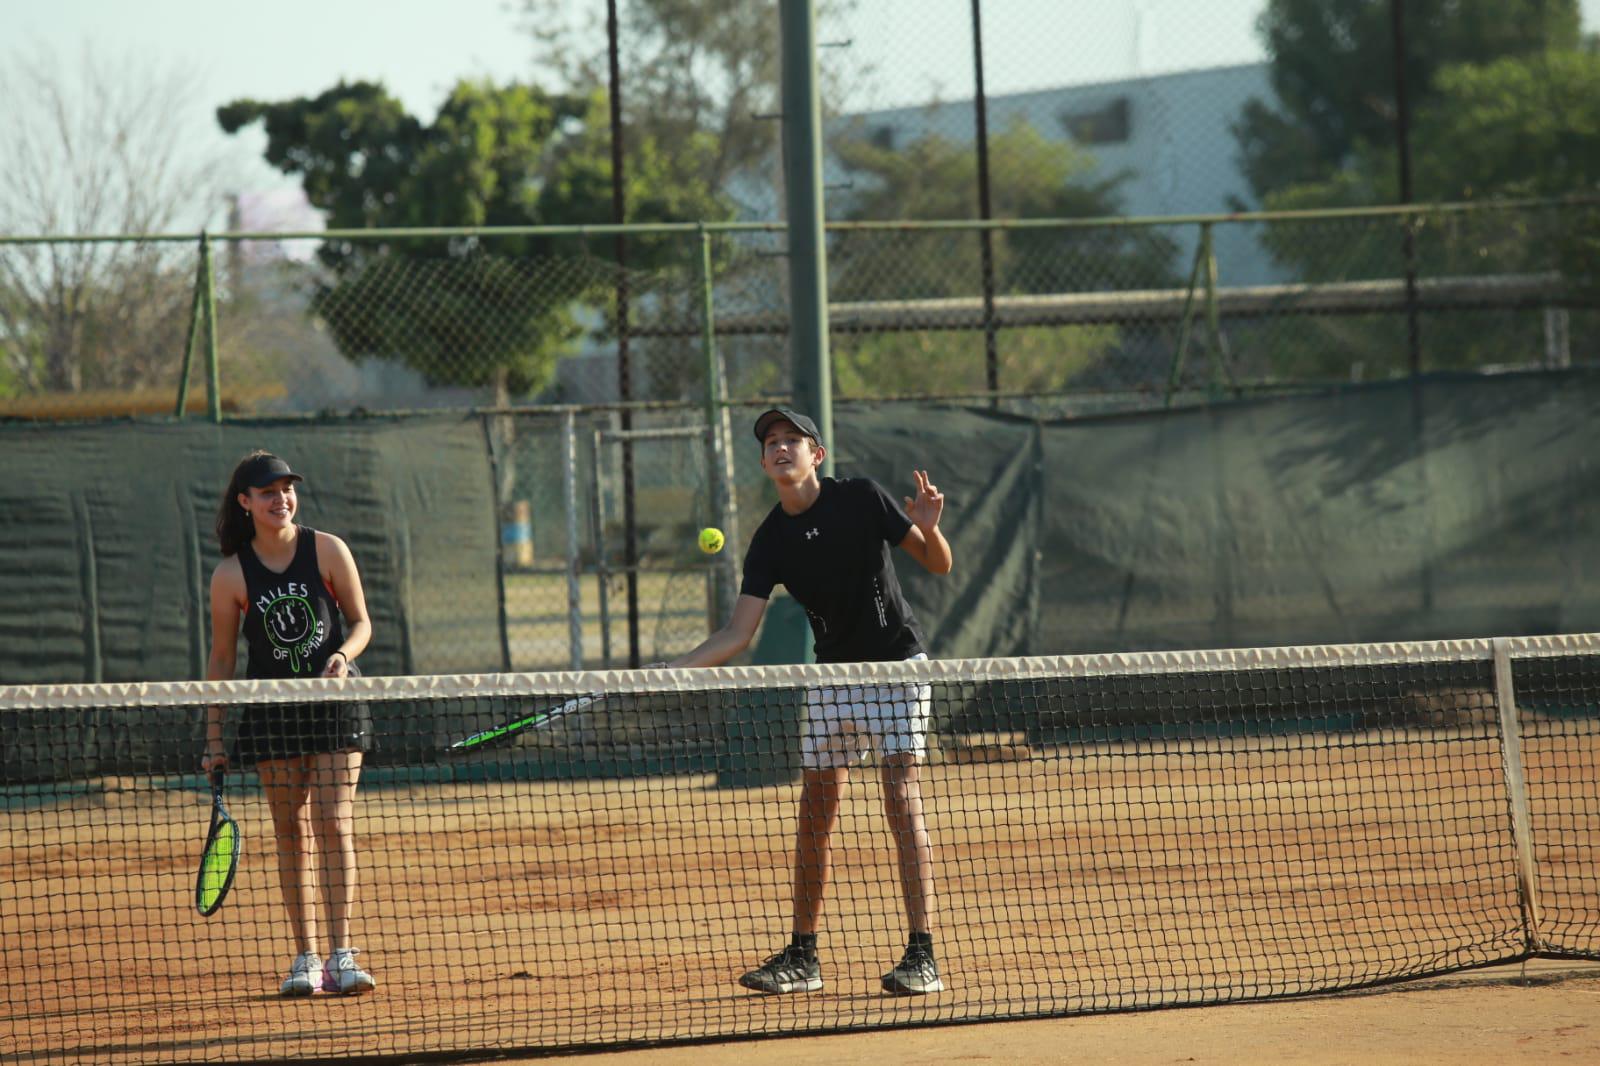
x=580, y=589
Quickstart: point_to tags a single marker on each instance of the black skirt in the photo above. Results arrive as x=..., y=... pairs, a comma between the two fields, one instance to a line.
x=290, y=730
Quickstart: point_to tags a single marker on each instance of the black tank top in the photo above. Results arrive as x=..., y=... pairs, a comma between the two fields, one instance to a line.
x=291, y=620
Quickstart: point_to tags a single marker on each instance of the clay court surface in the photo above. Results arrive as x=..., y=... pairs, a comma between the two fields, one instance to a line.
x=1092, y=880
x=1541, y=1013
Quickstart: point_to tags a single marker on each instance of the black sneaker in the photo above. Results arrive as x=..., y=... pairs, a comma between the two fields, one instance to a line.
x=787, y=971
x=917, y=974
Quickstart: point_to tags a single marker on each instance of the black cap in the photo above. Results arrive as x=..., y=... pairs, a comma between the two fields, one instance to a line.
x=784, y=414
x=263, y=470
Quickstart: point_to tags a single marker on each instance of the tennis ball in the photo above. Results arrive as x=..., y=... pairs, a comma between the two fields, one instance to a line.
x=711, y=540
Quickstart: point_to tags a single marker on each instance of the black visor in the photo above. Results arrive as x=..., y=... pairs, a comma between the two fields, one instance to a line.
x=263, y=470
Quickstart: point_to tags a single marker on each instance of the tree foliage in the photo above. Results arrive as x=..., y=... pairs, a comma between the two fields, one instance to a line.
x=935, y=178
x=1505, y=103
x=1332, y=68
x=1038, y=359
x=1034, y=177
x=1519, y=127
x=700, y=77
x=469, y=310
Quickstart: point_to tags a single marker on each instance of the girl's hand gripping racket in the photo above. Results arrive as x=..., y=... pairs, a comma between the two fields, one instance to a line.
x=220, y=859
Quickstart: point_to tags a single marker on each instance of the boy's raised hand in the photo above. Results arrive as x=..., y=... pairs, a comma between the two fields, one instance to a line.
x=925, y=509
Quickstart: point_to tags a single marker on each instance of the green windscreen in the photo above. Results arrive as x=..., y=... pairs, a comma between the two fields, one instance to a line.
x=107, y=530
x=1455, y=507
x=1466, y=506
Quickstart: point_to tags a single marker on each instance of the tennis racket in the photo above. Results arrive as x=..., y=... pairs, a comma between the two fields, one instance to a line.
x=220, y=859
x=538, y=720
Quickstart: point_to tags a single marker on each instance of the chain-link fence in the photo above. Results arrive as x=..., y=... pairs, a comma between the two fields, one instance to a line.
x=1085, y=312
x=967, y=109
x=960, y=109
x=1075, y=316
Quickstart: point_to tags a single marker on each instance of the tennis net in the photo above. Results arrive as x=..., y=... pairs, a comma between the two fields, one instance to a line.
x=1108, y=832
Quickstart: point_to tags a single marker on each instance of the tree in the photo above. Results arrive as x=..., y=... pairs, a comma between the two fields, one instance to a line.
x=1521, y=126
x=1503, y=104
x=1333, y=72
x=91, y=147
x=470, y=310
x=700, y=76
x=1033, y=177
x=935, y=178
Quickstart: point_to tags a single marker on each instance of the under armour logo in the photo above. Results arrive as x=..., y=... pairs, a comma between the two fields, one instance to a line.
x=813, y=533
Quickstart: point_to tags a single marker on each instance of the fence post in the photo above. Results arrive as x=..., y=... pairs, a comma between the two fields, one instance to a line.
x=1557, y=338
x=597, y=515
x=980, y=101
x=196, y=308
x=208, y=299
x=493, y=448
x=569, y=492
x=719, y=457
x=1402, y=132
x=1186, y=321
x=1220, y=365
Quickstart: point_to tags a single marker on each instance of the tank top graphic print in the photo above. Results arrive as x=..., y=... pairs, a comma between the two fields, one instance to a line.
x=291, y=621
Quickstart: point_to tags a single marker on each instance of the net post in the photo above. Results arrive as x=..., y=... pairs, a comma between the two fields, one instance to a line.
x=1517, y=792
x=569, y=492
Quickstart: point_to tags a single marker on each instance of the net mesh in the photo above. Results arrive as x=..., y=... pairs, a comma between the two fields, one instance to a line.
x=1107, y=833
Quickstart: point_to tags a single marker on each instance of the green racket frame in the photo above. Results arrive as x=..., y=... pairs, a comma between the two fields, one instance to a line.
x=538, y=720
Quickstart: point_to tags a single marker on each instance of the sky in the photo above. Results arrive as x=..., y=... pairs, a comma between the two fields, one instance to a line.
x=911, y=50
x=280, y=50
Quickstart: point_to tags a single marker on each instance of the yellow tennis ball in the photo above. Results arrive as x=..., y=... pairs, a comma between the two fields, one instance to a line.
x=711, y=540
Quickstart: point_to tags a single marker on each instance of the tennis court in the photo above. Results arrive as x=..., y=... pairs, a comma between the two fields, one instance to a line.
x=1516, y=1015
x=537, y=914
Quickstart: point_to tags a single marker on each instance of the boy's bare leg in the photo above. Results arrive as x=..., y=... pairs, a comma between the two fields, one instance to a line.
x=902, y=806
x=813, y=846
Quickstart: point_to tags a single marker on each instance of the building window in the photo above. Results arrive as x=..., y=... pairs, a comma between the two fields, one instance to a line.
x=1107, y=124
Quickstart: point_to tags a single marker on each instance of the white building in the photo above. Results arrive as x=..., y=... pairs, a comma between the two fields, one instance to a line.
x=1170, y=133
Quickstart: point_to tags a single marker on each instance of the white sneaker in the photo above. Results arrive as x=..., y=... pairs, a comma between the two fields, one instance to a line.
x=344, y=977
x=302, y=979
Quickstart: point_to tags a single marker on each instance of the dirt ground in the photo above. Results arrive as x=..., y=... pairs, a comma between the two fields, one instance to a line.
x=1517, y=1015
x=1104, y=882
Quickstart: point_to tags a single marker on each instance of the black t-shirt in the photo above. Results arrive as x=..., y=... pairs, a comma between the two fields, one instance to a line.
x=834, y=559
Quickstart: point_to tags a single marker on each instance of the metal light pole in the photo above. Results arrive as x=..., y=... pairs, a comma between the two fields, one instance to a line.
x=808, y=260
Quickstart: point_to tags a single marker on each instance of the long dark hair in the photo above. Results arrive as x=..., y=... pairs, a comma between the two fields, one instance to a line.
x=235, y=527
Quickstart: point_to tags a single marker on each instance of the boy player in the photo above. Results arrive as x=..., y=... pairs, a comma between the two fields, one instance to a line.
x=827, y=541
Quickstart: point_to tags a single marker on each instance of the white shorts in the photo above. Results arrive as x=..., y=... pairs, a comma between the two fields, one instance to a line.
x=842, y=723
